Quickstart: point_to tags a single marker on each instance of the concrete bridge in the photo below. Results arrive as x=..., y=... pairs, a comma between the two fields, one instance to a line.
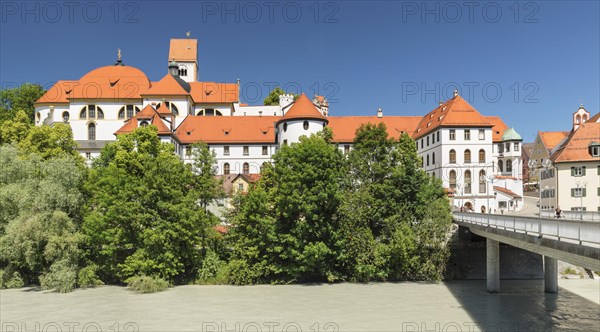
x=572, y=241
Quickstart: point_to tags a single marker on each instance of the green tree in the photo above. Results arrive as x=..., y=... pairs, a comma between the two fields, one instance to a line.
x=396, y=218
x=203, y=166
x=288, y=232
x=15, y=129
x=40, y=202
x=143, y=216
x=20, y=98
x=50, y=142
x=273, y=97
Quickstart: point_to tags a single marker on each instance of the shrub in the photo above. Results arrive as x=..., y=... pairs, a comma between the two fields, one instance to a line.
x=212, y=271
x=62, y=277
x=86, y=277
x=8, y=280
x=147, y=284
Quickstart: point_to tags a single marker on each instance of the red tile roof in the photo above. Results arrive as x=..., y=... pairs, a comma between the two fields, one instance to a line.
x=551, y=138
x=211, y=92
x=112, y=82
x=183, y=49
x=576, y=147
x=303, y=108
x=506, y=192
x=167, y=85
x=345, y=127
x=455, y=112
x=163, y=110
x=148, y=113
x=227, y=129
x=58, y=93
x=498, y=129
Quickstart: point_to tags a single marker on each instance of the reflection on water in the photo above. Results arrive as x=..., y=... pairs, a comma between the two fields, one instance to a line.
x=448, y=306
x=522, y=305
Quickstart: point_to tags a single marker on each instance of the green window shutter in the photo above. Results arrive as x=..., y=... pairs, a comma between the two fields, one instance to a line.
x=572, y=192
x=583, y=195
x=583, y=171
x=598, y=191
x=598, y=170
x=572, y=171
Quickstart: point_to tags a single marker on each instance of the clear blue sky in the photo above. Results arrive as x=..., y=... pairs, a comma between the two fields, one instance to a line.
x=542, y=57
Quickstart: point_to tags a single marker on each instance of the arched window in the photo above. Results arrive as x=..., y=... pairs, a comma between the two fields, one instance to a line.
x=482, y=156
x=65, y=116
x=217, y=113
x=578, y=119
x=182, y=71
x=284, y=127
x=305, y=125
x=467, y=182
x=509, y=165
x=143, y=123
x=433, y=158
x=482, y=180
x=500, y=166
x=246, y=168
x=128, y=111
x=171, y=107
x=92, y=131
x=467, y=156
x=427, y=160
x=226, y=169
x=452, y=156
x=452, y=177
x=91, y=112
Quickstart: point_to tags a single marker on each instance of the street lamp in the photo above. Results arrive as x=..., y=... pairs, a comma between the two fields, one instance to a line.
x=535, y=168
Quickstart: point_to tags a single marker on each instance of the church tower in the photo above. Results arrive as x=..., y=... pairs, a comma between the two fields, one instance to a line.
x=579, y=117
x=185, y=53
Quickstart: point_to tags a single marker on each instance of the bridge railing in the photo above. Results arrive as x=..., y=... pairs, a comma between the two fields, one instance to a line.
x=574, y=230
x=574, y=215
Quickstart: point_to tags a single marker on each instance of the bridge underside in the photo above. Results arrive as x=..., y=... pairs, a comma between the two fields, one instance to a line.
x=552, y=250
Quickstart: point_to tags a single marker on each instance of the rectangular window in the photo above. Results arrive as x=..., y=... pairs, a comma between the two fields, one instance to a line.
x=427, y=140
x=265, y=150
x=595, y=151
x=188, y=150
x=507, y=147
x=578, y=192
x=240, y=186
x=516, y=147
x=578, y=171
x=346, y=149
x=246, y=150
x=438, y=136
x=500, y=148
x=422, y=143
x=467, y=135
x=285, y=142
x=88, y=156
x=226, y=150
x=481, y=134
x=452, y=134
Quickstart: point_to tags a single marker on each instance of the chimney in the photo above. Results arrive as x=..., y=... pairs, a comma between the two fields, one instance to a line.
x=379, y=113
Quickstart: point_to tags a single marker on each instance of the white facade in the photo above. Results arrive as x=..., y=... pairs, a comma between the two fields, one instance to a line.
x=579, y=186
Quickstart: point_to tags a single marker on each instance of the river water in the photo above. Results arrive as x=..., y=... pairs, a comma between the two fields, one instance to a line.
x=447, y=306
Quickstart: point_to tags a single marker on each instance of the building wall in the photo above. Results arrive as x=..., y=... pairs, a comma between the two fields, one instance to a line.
x=295, y=129
x=590, y=181
x=236, y=157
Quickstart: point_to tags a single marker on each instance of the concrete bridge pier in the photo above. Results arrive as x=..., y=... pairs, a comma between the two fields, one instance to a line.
x=493, y=265
x=550, y=275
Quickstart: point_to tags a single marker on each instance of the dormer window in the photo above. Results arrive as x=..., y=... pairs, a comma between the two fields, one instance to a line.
x=143, y=123
x=595, y=149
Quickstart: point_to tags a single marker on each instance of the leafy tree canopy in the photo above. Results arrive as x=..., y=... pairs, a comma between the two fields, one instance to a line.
x=20, y=98
x=273, y=97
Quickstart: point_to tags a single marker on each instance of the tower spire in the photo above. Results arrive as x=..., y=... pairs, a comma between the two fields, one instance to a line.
x=119, y=61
